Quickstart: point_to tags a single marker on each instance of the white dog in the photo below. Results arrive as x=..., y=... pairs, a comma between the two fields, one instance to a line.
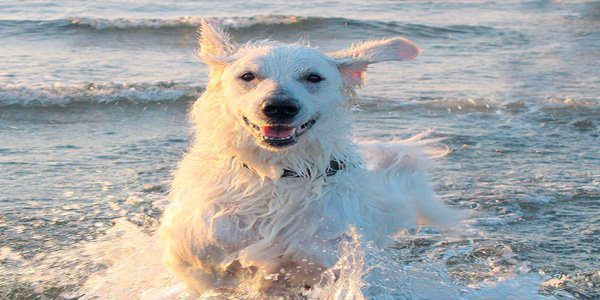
x=273, y=180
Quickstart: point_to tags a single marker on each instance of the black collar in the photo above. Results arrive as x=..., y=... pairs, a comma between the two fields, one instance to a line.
x=334, y=167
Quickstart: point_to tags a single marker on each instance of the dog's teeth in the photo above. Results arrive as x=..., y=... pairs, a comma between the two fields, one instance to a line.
x=277, y=138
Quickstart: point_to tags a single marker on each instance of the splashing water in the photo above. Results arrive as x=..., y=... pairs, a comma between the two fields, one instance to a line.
x=350, y=268
x=133, y=270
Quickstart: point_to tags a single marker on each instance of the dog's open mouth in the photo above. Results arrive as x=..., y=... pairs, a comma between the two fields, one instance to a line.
x=280, y=136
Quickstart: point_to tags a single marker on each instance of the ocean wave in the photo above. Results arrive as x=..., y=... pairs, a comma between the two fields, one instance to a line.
x=267, y=21
x=186, y=21
x=61, y=95
x=557, y=103
x=554, y=106
x=166, y=91
x=258, y=22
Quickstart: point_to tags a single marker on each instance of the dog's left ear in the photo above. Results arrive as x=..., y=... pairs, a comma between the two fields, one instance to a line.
x=215, y=43
x=354, y=61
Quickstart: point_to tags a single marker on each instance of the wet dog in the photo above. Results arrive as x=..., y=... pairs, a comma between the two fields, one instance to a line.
x=273, y=180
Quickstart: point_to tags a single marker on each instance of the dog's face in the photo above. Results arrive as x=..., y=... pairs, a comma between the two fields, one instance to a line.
x=279, y=92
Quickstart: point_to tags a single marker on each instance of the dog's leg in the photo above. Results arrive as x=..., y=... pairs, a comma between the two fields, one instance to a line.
x=199, y=277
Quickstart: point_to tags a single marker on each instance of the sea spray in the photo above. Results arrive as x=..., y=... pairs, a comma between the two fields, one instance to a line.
x=348, y=272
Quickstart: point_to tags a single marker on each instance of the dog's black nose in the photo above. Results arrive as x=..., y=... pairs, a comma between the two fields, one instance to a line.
x=279, y=109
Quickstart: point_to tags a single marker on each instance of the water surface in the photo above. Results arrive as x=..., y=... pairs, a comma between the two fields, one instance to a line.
x=93, y=102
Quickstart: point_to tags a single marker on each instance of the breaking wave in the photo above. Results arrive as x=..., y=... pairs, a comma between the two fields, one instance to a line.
x=275, y=20
x=182, y=22
x=259, y=22
x=61, y=95
x=166, y=91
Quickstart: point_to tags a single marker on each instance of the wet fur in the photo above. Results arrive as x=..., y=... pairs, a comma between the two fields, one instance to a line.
x=234, y=225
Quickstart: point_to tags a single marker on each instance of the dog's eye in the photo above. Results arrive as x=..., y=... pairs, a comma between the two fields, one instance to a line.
x=249, y=76
x=314, y=78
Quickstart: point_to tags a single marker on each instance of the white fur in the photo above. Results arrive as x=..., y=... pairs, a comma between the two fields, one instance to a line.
x=234, y=223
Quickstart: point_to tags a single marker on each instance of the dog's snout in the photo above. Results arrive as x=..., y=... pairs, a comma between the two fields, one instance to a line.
x=279, y=109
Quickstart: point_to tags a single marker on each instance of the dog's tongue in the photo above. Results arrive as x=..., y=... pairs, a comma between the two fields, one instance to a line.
x=278, y=131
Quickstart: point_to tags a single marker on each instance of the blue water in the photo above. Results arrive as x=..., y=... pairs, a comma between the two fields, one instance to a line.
x=93, y=101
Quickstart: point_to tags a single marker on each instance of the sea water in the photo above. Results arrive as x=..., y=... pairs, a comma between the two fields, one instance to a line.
x=93, y=103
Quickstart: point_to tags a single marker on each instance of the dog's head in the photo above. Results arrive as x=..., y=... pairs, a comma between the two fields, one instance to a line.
x=280, y=93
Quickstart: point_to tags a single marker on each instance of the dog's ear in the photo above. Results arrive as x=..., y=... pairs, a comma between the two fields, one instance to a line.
x=354, y=61
x=215, y=43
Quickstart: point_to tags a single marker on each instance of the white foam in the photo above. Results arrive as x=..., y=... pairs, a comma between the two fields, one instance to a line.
x=58, y=94
x=536, y=199
x=185, y=21
x=135, y=269
x=570, y=102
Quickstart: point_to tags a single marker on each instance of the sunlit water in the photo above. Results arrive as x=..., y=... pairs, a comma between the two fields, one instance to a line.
x=93, y=101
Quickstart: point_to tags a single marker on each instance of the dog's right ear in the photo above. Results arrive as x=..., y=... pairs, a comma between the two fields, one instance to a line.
x=215, y=43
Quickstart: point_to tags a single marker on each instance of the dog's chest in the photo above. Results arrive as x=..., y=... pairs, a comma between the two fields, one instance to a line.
x=269, y=211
